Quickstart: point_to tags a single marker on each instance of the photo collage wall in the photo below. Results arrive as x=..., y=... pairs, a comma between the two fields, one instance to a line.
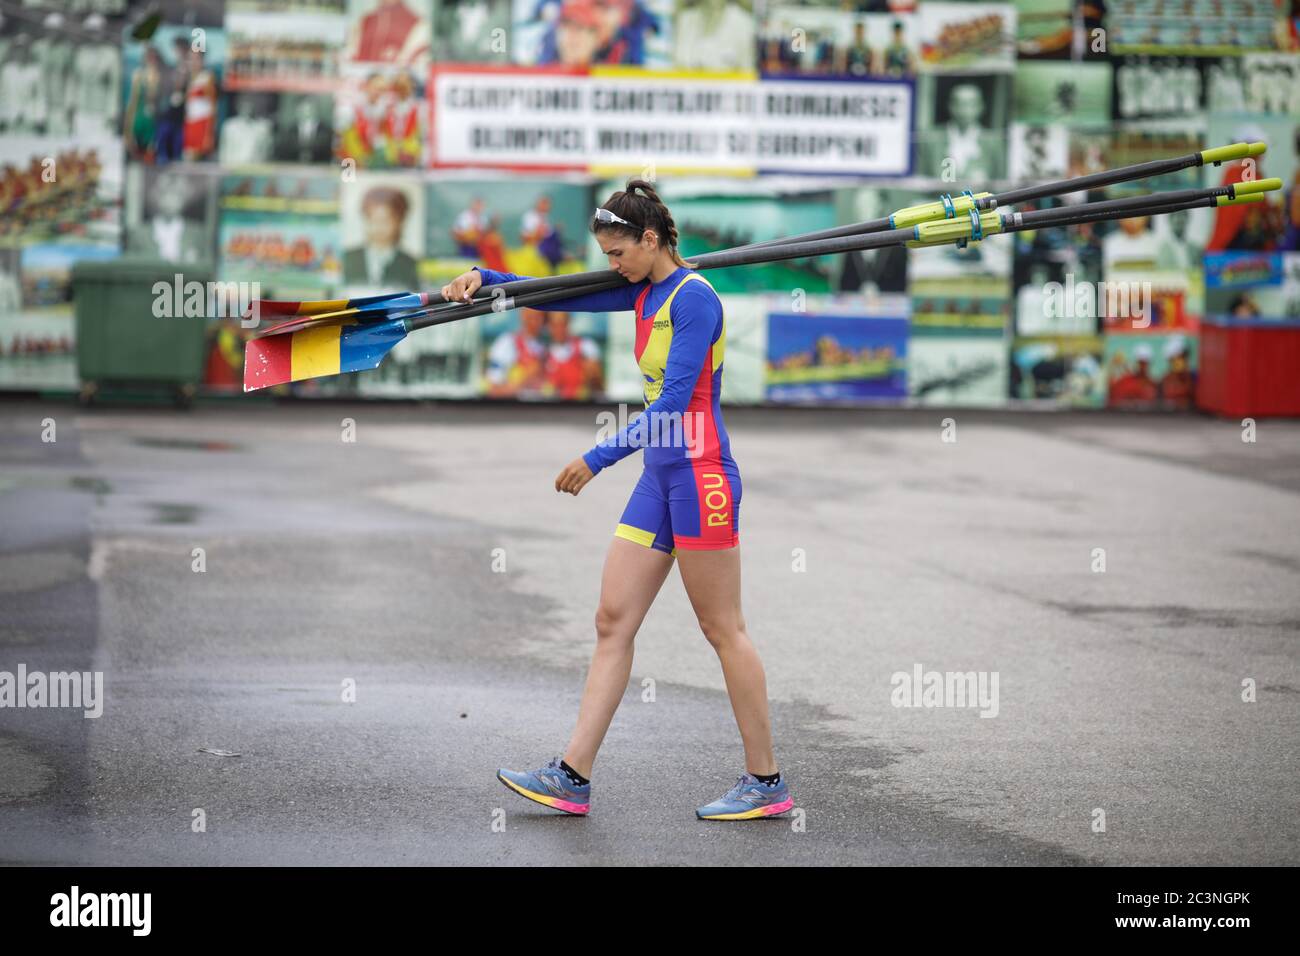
x=303, y=145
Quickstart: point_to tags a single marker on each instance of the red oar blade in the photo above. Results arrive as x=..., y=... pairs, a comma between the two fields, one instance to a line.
x=316, y=352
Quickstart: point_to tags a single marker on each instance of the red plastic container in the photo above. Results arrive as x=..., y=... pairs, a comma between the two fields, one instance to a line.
x=1249, y=368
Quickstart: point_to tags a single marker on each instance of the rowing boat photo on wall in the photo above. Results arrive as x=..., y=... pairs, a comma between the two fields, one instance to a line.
x=966, y=37
x=288, y=45
x=835, y=353
x=281, y=230
x=1046, y=30
x=38, y=337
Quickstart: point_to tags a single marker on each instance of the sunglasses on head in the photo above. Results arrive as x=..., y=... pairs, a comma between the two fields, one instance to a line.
x=606, y=217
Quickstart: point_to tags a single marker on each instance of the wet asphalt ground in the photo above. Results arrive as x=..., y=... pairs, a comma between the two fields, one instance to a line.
x=430, y=569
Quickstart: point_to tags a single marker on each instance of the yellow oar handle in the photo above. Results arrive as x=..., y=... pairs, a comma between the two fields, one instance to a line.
x=1240, y=200
x=1256, y=186
x=1222, y=154
x=950, y=230
x=912, y=215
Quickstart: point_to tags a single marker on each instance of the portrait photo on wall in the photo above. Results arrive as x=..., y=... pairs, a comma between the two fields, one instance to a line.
x=961, y=127
x=171, y=212
x=382, y=230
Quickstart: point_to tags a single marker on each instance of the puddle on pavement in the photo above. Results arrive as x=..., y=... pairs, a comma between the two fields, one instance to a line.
x=170, y=513
x=96, y=486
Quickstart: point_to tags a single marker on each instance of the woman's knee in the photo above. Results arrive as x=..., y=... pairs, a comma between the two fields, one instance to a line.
x=612, y=624
x=722, y=630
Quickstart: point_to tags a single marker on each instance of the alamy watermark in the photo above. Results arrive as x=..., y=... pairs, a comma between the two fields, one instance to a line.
x=1119, y=300
x=79, y=689
x=922, y=688
x=655, y=429
x=190, y=300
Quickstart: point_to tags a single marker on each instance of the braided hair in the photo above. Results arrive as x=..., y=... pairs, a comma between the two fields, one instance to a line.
x=639, y=203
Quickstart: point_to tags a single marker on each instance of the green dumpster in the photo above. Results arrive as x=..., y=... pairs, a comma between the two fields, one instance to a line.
x=136, y=324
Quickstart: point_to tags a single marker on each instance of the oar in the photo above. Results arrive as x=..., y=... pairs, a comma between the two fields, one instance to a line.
x=345, y=345
x=948, y=207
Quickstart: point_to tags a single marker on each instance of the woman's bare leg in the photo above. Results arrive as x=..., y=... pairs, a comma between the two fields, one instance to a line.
x=631, y=579
x=712, y=580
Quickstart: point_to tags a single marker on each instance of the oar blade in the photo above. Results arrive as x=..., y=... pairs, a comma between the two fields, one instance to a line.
x=278, y=307
x=317, y=352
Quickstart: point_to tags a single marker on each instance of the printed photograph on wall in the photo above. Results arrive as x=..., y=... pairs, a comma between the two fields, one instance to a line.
x=1150, y=372
x=171, y=102
x=831, y=40
x=171, y=212
x=382, y=233
x=958, y=370
x=581, y=33
x=713, y=219
x=471, y=31
x=282, y=230
x=389, y=31
x=961, y=125
x=828, y=354
x=536, y=355
x=1065, y=370
x=291, y=128
x=531, y=227
x=287, y=45
x=380, y=118
x=1070, y=94
x=970, y=37
x=873, y=272
x=714, y=35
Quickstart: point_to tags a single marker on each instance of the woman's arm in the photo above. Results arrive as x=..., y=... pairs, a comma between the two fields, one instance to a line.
x=697, y=322
x=619, y=299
